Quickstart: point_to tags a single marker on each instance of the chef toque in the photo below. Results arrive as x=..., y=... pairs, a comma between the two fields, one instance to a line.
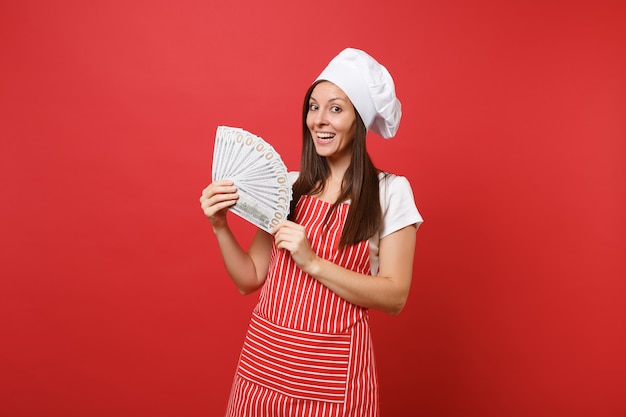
x=370, y=88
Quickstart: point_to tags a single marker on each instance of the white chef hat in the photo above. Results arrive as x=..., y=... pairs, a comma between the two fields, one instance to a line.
x=370, y=88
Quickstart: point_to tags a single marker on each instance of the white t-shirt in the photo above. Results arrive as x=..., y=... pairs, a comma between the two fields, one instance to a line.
x=398, y=208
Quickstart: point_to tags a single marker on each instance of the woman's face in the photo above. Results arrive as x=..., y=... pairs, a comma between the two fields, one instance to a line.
x=332, y=121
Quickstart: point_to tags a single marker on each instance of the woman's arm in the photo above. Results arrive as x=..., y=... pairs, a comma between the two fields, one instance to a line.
x=248, y=269
x=388, y=291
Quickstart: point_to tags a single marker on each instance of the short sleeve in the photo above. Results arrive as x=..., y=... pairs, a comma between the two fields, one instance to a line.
x=292, y=176
x=398, y=205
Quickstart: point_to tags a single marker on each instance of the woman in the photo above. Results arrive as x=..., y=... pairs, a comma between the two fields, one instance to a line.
x=347, y=247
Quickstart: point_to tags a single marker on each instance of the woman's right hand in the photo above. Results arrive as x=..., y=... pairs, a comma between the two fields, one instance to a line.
x=216, y=199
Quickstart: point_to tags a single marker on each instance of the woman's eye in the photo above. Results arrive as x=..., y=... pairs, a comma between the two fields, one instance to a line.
x=335, y=109
x=313, y=106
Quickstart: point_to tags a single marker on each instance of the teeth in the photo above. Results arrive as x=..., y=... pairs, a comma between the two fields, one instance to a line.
x=325, y=135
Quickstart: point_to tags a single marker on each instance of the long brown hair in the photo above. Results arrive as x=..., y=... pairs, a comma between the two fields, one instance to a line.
x=360, y=183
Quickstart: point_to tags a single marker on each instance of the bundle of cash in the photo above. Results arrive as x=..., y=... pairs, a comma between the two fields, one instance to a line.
x=258, y=173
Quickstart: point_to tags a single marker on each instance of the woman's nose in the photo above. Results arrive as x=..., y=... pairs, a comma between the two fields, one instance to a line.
x=320, y=117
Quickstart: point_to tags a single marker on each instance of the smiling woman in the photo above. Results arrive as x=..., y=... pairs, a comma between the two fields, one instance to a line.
x=113, y=297
x=347, y=247
x=331, y=119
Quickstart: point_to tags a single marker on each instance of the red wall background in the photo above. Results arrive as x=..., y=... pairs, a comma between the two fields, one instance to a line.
x=113, y=298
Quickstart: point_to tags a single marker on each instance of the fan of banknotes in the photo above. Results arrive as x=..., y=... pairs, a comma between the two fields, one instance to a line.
x=258, y=173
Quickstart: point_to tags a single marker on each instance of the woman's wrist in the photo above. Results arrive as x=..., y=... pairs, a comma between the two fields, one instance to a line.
x=217, y=229
x=315, y=266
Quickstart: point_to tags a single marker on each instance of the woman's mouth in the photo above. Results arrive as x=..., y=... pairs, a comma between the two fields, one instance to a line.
x=324, y=137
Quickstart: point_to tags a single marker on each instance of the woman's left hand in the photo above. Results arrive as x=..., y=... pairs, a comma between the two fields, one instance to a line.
x=292, y=237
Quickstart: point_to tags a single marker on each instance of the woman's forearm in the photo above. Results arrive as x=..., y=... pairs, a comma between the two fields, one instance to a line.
x=247, y=269
x=386, y=294
x=389, y=290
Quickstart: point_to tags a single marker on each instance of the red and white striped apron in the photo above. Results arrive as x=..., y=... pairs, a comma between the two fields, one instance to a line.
x=308, y=352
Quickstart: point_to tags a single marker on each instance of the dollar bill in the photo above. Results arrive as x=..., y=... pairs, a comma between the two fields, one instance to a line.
x=257, y=171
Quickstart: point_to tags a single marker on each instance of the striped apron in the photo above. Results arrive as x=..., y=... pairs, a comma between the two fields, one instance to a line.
x=307, y=351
